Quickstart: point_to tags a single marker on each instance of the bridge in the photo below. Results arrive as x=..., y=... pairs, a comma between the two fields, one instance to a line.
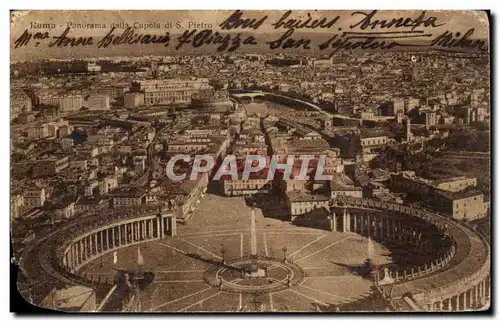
x=239, y=94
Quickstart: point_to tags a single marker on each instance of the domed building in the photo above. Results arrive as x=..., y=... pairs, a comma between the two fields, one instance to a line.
x=211, y=101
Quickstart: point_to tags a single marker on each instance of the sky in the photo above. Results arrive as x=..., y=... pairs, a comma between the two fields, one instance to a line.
x=456, y=21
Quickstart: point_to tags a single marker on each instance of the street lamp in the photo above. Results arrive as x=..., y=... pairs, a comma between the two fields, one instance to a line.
x=284, y=249
x=223, y=252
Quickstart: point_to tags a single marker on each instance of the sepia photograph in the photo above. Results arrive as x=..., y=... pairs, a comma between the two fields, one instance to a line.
x=251, y=161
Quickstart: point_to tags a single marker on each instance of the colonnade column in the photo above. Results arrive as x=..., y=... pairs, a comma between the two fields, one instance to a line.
x=162, y=232
x=84, y=247
x=483, y=287
x=355, y=219
x=480, y=292
x=77, y=253
x=174, y=227
x=368, y=222
x=73, y=255
x=84, y=250
x=96, y=244
x=93, y=249
x=70, y=259
x=65, y=259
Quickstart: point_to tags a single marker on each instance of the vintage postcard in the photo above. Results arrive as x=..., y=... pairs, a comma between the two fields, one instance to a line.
x=251, y=161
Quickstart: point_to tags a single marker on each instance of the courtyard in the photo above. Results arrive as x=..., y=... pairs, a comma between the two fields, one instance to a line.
x=221, y=228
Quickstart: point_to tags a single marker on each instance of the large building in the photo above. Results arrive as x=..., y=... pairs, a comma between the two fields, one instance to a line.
x=455, y=184
x=303, y=202
x=341, y=185
x=50, y=166
x=66, y=101
x=16, y=206
x=19, y=103
x=460, y=205
x=452, y=197
x=253, y=185
x=133, y=100
x=34, y=197
x=211, y=101
x=371, y=143
x=424, y=116
x=128, y=197
x=392, y=108
x=98, y=102
x=169, y=91
x=321, y=63
x=113, y=91
x=37, y=132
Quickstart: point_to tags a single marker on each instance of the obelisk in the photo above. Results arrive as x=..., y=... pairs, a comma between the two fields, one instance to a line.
x=253, y=237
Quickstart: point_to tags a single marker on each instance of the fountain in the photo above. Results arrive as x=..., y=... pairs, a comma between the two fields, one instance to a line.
x=367, y=266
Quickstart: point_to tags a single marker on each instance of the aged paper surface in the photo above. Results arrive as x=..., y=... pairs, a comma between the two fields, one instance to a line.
x=251, y=161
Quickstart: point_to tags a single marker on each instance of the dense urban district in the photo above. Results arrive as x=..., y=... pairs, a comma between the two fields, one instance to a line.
x=403, y=224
